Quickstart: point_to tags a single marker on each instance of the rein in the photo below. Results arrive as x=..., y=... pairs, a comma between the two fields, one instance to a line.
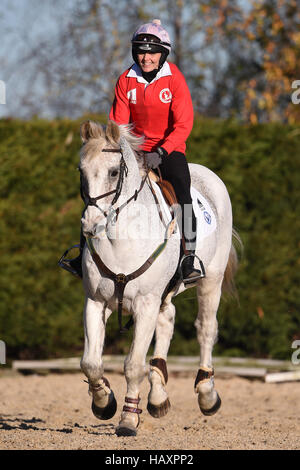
x=120, y=280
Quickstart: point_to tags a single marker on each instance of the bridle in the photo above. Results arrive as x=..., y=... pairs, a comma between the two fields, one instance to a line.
x=112, y=213
x=92, y=201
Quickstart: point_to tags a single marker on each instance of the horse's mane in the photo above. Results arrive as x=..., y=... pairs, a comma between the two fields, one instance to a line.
x=95, y=137
x=135, y=142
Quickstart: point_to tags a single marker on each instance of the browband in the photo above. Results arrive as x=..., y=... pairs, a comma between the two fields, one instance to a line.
x=113, y=150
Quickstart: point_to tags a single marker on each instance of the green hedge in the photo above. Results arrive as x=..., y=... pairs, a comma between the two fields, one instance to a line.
x=41, y=305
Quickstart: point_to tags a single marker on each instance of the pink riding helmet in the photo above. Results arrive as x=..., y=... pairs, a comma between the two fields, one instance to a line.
x=153, y=29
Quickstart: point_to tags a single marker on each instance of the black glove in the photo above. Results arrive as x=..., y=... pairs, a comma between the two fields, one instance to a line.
x=154, y=159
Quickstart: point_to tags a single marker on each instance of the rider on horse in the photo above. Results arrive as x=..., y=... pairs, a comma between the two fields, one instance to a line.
x=153, y=95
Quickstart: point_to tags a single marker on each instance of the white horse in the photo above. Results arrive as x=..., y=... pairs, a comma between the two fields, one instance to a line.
x=119, y=234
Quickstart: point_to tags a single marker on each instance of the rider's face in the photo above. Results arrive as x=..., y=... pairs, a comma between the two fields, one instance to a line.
x=149, y=61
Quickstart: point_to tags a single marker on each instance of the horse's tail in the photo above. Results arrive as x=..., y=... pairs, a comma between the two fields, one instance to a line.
x=228, y=285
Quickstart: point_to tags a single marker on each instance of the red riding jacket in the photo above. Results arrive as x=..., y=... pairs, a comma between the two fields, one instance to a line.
x=161, y=111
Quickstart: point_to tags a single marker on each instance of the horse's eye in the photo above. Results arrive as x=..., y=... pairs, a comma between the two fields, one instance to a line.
x=114, y=173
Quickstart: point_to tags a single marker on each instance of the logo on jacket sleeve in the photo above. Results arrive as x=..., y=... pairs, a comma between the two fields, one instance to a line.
x=131, y=95
x=165, y=95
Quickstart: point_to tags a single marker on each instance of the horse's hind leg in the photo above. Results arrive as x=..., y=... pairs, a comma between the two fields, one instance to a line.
x=145, y=316
x=209, y=294
x=158, y=402
x=104, y=404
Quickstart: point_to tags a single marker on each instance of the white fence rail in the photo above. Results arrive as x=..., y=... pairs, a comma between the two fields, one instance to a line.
x=269, y=370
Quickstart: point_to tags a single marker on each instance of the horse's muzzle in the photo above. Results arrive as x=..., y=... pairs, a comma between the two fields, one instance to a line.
x=91, y=231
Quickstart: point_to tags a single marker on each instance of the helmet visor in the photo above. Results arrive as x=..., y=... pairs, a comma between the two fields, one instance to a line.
x=148, y=43
x=150, y=48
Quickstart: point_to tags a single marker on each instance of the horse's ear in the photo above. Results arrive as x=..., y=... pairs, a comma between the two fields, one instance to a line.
x=90, y=130
x=112, y=132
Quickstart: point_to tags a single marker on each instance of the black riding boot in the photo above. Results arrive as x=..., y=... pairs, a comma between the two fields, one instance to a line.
x=74, y=265
x=190, y=274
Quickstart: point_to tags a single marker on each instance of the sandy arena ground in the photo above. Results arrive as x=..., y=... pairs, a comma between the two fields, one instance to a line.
x=53, y=412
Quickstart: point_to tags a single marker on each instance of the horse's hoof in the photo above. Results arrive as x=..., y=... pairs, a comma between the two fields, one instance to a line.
x=126, y=431
x=160, y=410
x=108, y=411
x=214, y=409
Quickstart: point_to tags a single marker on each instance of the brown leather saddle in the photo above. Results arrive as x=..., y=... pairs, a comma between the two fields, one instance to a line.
x=165, y=187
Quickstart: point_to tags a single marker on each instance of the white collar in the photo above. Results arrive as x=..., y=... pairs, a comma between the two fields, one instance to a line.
x=135, y=72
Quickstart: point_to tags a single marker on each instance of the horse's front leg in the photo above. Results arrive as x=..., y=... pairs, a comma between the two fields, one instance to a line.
x=158, y=401
x=96, y=314
x=209, y=294
x=145, y=312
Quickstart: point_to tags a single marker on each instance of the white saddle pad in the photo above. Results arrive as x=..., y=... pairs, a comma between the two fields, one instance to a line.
x=206, y=220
